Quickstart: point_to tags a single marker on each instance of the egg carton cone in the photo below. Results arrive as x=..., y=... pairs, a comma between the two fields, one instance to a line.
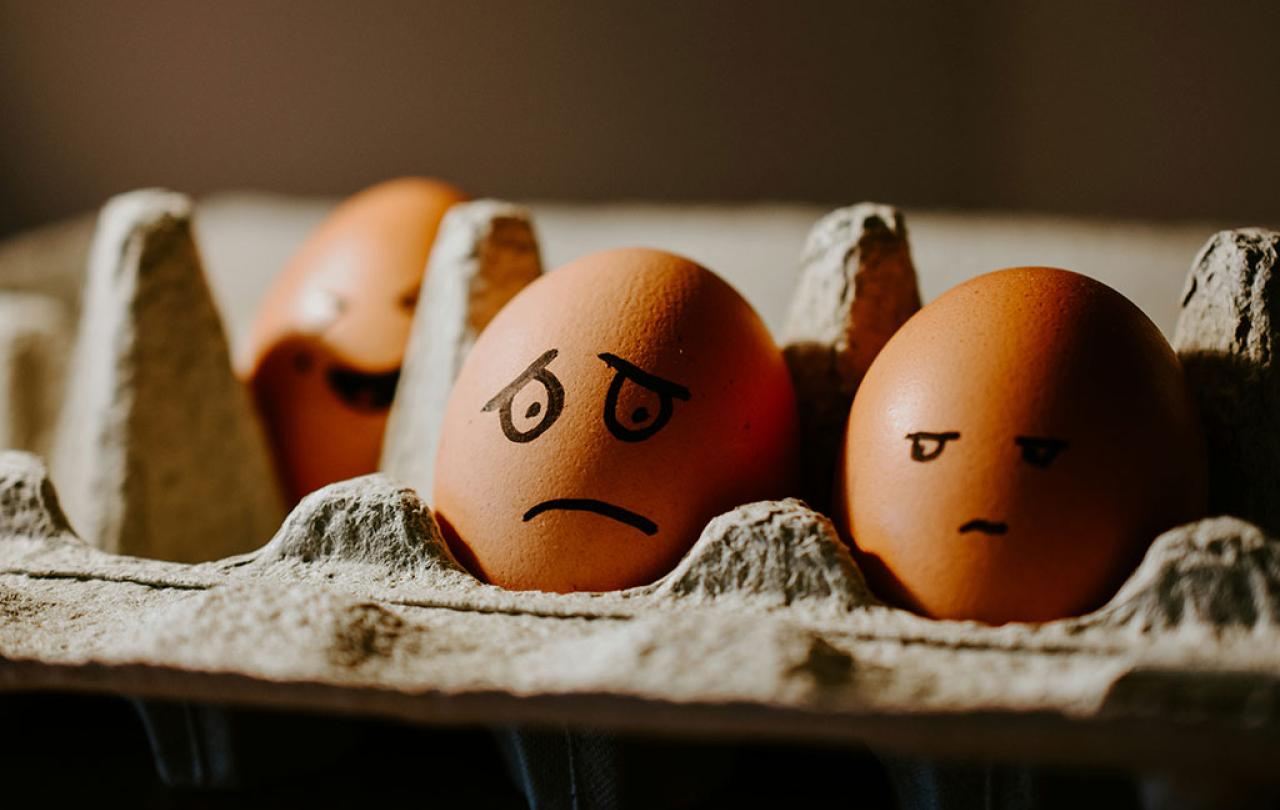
x=1227, y=339
x=485, y=253
x=35, y=335
x=158, y=451
x=857, y=285
x=764, y=629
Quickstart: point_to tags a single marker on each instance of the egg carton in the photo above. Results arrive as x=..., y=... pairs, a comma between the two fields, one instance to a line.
x=178, y=580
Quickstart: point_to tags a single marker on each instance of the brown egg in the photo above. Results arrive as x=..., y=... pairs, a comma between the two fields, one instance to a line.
x=325, y=353
x=607, y=413
x=1015, y=448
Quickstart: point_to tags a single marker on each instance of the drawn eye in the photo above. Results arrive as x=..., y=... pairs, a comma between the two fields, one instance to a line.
x=1039, y=451
x=926, y=446
x=527, y=411
x=303, y=362
x=636, y=412
x=409, y=300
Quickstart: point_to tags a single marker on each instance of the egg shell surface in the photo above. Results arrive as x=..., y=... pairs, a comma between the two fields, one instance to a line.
x=325, y=352
x=1015, y=448
x=611, y=409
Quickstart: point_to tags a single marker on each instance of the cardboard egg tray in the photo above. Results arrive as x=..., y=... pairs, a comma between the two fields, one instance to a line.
x=171, y=583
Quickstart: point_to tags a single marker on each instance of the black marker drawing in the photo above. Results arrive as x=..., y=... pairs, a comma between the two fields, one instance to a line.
x=665, y=389
x=609, y=510
x=303, y=362
x=363, y=392
x=926, y=446
x=408, y=300
x=984, y=526
x=504, y=399
x=1040, y=451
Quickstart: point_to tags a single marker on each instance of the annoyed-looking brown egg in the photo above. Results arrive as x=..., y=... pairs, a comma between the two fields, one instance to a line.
x=1015, y=448
x=608, y=412
x=325, y=353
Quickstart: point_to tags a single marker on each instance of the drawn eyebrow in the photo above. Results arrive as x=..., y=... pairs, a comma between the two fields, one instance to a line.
x=509, y=390
x=937, y=437
x=651, y=381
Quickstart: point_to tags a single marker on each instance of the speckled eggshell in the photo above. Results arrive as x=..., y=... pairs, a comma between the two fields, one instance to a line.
x=325, y=352
x=630, y=380
x=1015, y=448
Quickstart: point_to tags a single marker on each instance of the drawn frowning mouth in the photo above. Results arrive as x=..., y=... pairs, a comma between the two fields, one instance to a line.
x=984, y=526
x=363, y=392
x=632, y=519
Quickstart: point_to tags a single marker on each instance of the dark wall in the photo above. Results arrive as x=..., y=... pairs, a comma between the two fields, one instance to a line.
x=1167, y=109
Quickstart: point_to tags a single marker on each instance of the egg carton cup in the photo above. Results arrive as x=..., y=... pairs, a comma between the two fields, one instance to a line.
x=172, y=585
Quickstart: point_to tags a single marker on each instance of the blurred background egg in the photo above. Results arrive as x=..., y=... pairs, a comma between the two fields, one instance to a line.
x=607, y=413
x=325, y=353
x=1016, y=447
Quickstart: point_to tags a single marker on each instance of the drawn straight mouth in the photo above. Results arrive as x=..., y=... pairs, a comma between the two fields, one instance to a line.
x=364, y=392
x=984, y=526
x=599, y=507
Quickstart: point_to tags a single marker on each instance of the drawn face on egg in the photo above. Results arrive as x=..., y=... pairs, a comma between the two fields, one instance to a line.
x=636, y=422
x=1015, y=448
x=328, y=344
x=604, y=416
x=1037, y=451
x=360, y=381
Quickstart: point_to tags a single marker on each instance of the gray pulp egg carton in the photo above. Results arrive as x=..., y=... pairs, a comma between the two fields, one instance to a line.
x=765, y=628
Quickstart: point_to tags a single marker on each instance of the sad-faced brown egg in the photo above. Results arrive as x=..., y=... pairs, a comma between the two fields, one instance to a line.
x=610, y=410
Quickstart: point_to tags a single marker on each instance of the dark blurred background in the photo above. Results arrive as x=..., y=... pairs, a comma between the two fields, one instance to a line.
x=1139, y=109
